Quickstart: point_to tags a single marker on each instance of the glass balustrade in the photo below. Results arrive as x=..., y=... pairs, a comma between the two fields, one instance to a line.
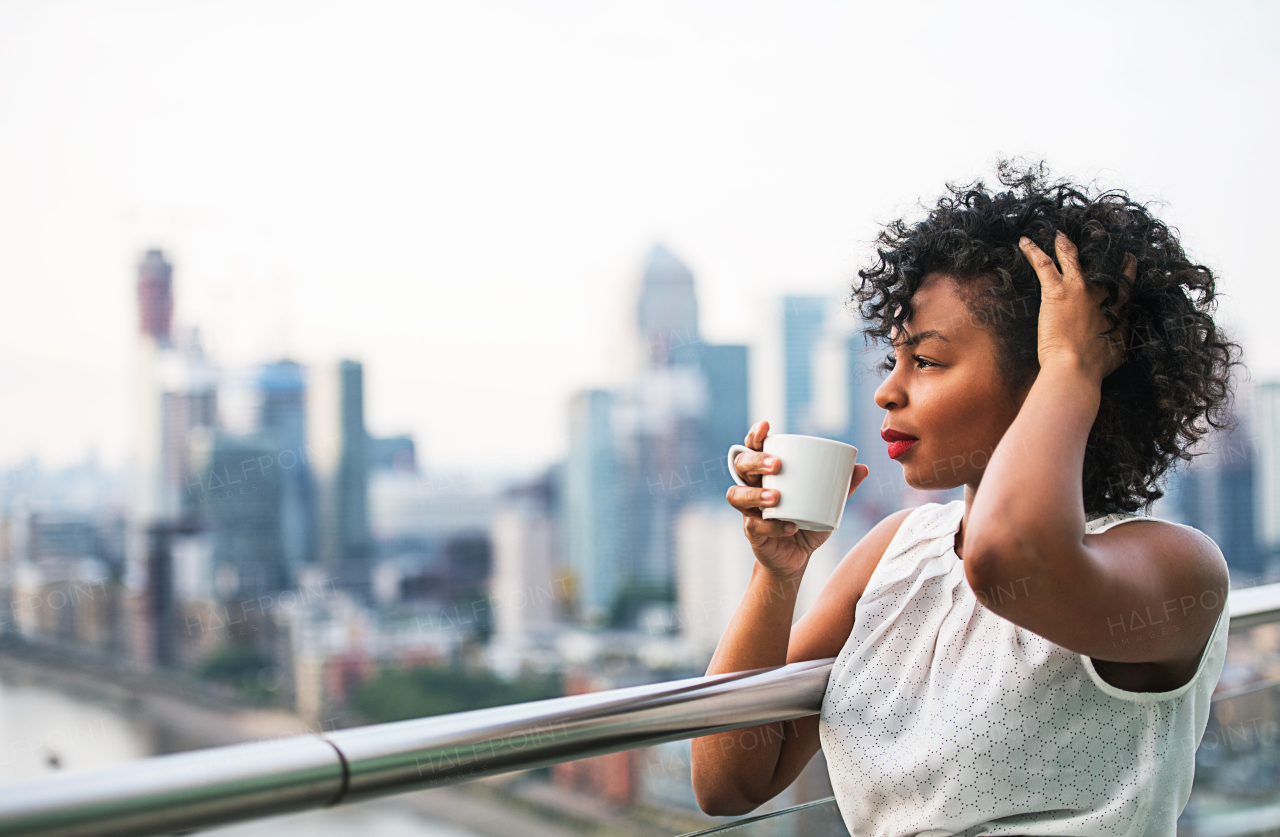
x=1236, y=791
x=820, y=818
x=1237, y=783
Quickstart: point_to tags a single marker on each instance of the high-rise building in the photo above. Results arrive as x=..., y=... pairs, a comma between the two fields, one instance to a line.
x=714, y=563
x=282, y=403
x=640, y=453
x=831, y=375
x=592, y=505
x=1235, y=494
x=175, y=402
x=802, y=329
x=1266, y=448
x=338, y=455
x=668, y=311
x=658, y=438
x=1217, y=492
x=525, y=592
x=727, y=416
x=282, y=428
x=188, y=390
x=155, y=297
x=241, y=507
x=394, y=453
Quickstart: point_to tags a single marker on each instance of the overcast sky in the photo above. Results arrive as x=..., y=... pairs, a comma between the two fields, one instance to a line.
x=460, y=194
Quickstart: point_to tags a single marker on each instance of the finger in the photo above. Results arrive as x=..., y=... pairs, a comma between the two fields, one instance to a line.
x=860, y=472
x=758, y=529
x=755, y=439
x=1131, y=267
x=1131, y=271
x=1118, y=353
x=1041, y=263
x=752, y=464
x=1068, y=258
x=741, y=466
x=751, y=498
x=750, y=439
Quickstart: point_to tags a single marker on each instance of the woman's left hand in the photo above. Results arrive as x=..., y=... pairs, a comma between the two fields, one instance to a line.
x=1071, y=324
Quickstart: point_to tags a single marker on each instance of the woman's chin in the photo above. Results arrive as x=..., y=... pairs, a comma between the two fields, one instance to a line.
x=931, y=483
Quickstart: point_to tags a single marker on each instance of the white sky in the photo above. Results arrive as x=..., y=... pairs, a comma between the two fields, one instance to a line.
x=460, y=194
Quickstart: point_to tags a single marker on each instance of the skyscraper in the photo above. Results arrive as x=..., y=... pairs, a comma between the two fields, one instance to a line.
x=175, y=401
x=668, y=311
x=155, y=296
x=640, y=453
x=592, y=505
x=1216, y=494
x=338, y=448
x=282, y=425
x=1266, y=436
x=831, y=377
x=727, y=417
x=241, y=506
x=802, y=323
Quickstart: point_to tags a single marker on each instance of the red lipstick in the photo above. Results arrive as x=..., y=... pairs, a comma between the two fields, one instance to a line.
x=899, y=442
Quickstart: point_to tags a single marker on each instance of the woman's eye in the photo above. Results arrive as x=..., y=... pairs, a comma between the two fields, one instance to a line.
x=889, y=362
x=921, y=363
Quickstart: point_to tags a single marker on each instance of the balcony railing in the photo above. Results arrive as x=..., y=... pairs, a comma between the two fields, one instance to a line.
x=194, y=790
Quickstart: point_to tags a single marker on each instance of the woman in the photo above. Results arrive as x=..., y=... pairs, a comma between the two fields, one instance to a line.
x=1016, y=662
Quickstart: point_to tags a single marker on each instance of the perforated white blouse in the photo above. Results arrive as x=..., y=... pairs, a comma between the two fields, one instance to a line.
x=944, y=718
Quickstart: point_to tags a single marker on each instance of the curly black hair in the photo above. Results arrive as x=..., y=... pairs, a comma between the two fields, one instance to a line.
x=1175, y=384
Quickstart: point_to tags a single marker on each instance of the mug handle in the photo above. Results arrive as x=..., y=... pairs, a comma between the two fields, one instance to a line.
x=733, y=468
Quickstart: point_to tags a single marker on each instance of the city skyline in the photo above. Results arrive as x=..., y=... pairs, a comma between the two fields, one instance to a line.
x=372, y=363
x=463, y=206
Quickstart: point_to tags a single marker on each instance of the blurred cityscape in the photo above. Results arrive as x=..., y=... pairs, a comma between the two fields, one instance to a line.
x=266, y=545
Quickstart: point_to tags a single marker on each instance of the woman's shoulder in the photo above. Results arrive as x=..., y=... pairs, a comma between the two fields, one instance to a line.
x=930, y=519
x=824, y=629
x=905, y=526
x=1158, y=526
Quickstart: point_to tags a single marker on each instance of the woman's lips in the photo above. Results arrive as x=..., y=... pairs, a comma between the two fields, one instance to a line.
x=899, y=442
x=900, y=447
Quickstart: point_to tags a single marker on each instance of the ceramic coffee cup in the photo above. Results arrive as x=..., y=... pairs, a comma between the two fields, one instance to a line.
x=813, y=482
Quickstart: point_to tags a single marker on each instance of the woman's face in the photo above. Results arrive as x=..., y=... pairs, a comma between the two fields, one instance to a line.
x=946, y=390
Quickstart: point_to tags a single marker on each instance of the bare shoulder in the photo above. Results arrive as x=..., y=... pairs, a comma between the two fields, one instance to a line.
x=1175, y=583
x=822, y=631
x=1181, y=554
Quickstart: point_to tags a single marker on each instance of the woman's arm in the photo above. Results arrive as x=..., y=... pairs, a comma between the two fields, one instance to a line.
x=1026, y=554
x=735, y=772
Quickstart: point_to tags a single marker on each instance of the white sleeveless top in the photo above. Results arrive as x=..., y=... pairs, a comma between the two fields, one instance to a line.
x=942, y=718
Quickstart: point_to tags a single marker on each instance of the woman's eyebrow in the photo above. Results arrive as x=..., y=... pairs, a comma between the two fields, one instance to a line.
x=920, y=337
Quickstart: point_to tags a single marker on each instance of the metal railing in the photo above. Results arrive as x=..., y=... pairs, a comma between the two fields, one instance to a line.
x=198, y=789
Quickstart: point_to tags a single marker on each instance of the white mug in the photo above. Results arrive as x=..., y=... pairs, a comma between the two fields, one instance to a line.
x=813, y=482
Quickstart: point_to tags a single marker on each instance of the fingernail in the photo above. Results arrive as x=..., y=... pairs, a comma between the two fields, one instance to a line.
x=1024, y=241
x=789, y=528
x=770, y=461
x=770, y=495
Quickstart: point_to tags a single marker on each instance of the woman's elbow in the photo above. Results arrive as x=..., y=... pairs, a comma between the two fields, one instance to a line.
x=722, y=802
x=717, y=795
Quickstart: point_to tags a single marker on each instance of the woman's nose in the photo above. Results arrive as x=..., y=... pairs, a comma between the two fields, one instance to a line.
x=890, y=393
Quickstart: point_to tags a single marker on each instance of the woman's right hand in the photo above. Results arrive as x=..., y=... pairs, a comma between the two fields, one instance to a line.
x=780, y=546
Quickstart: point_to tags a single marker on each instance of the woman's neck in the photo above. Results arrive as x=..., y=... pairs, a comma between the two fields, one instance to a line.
x=970, y=491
